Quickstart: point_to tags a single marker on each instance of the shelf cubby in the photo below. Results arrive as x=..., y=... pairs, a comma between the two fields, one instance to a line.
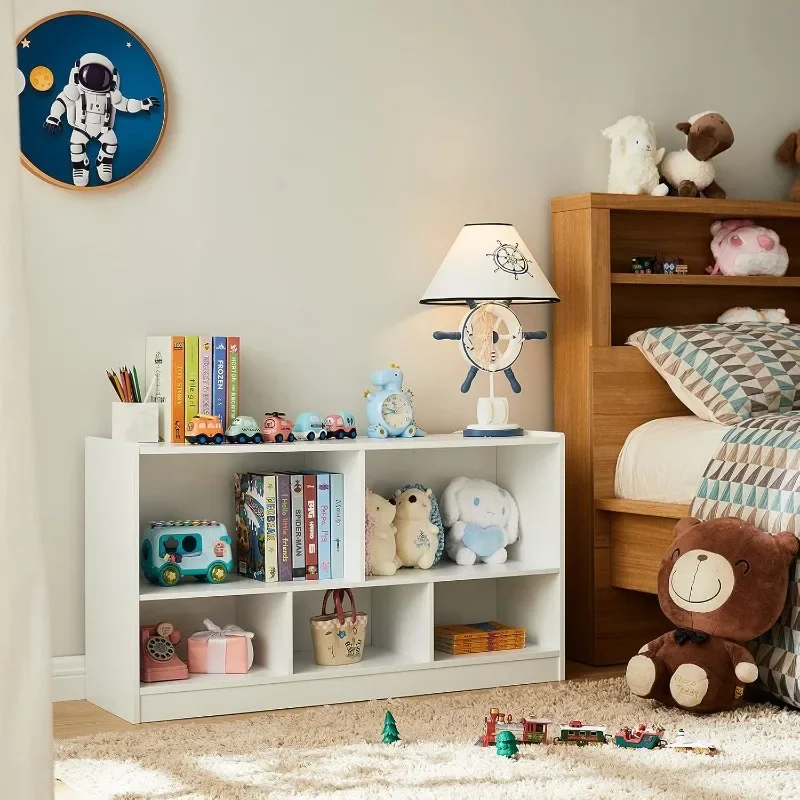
x=129, y=484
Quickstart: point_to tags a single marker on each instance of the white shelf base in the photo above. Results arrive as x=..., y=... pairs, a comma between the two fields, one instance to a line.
x=126, y=485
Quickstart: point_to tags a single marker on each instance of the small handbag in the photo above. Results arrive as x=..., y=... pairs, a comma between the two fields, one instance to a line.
x=338, y=639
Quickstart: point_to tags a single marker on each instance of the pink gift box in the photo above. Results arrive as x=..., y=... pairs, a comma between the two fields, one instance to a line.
x=228, y=649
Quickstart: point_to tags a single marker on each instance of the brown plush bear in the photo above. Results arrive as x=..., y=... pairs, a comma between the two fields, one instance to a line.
x=721, y=582
x=788, y=153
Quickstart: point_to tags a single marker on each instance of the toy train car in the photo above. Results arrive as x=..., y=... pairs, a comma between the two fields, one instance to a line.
x=582, y=735
x=526, y=731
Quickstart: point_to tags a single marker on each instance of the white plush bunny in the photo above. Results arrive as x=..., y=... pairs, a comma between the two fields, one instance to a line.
x=747, y=314
x=481, y=521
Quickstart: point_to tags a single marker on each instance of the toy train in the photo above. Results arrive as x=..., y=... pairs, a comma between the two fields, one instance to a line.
x=208, y=429
x=530, y=730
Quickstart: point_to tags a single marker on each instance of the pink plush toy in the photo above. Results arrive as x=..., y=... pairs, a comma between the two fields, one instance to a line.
x=740, y=247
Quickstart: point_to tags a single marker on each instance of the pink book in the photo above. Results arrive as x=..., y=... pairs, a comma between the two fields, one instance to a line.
x=206, y=362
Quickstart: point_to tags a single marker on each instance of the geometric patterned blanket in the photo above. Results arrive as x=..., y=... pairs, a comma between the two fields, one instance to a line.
x=755, y=476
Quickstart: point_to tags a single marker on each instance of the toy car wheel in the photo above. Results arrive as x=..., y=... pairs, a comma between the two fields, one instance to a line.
x=202, y=439
x=291, y=438
x=352, y=434
x=169, y=576
x=258, y=438
x=216, y=573
x=323, y=435
x=242, y=439
x=340, y=434
x=278, y=437
x=310, y=436
x=219, y=439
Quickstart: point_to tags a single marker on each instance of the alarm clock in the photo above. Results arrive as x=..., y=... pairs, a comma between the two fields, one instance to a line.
x=390, y=411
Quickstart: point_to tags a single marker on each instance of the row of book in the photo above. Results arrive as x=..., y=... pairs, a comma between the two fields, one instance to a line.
x=289, y=525
x=193, y=375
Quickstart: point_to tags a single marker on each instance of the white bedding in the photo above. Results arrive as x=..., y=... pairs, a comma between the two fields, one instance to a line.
x=664, y=459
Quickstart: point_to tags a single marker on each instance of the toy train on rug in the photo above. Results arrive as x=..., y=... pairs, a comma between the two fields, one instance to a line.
x=532, y=730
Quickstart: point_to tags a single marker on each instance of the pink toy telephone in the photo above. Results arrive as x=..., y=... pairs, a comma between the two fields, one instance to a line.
x=159, y=661
x=740, y=247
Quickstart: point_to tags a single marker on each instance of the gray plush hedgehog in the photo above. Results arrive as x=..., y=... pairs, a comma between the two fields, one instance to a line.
x=420, y=533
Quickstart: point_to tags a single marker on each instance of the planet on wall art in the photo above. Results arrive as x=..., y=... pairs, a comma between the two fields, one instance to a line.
x=92, y=100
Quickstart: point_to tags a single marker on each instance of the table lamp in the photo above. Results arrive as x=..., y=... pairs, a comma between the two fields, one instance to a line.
x=488, y=268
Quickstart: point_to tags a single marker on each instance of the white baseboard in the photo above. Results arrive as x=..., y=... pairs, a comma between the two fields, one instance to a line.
x=69, y=678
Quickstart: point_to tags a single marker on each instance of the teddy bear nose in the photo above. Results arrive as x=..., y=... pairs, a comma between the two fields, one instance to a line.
x=702, y=558
x=766, y=242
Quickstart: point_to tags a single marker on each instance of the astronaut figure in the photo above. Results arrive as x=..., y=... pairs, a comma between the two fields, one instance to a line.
x=91, y=99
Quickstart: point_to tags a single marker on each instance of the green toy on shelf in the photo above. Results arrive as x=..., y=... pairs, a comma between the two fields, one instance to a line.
x=390, y=734
x=506, y=744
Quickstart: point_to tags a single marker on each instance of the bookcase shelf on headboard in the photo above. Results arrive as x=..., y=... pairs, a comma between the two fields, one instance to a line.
x=603, y=390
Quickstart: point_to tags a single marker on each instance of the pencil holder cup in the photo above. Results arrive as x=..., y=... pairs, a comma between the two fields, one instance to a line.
x=134, y=422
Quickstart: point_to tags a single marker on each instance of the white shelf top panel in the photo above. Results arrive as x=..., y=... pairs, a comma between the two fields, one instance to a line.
x=432, y=441
x=237, y=585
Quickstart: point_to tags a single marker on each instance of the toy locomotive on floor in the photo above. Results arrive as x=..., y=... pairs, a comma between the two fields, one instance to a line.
x=207, y=428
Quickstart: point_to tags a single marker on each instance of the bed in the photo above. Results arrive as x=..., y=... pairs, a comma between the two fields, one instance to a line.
x=604, y=389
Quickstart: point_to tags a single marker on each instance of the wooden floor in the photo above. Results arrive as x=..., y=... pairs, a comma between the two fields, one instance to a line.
x=81, y=718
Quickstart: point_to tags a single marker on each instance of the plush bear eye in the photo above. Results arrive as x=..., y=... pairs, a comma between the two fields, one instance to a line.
x=476, y=501
x=412, y=498
x=746, y=565
x=676, y=553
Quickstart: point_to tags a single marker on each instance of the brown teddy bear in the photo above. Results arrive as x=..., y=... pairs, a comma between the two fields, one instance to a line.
x=722, y=581
x=787, y=153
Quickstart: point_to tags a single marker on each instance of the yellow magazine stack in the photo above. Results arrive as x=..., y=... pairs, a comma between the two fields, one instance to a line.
x=478, y=637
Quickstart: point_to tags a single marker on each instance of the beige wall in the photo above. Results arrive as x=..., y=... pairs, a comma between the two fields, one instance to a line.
x=331, y=151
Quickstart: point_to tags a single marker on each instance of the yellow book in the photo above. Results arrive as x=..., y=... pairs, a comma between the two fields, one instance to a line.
x=192, y=376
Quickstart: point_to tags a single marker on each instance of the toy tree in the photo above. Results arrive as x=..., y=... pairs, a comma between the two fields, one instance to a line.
x=390, y=734
x=506, y=744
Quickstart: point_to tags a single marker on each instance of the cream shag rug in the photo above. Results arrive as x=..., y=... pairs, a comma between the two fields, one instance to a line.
x=335, y=752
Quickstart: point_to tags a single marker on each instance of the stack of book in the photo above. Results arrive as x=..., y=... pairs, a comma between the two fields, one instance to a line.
x=193, y=375
x=478, y=637
x=289, y=526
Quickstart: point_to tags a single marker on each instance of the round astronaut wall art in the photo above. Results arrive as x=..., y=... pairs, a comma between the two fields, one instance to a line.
x=92, y=100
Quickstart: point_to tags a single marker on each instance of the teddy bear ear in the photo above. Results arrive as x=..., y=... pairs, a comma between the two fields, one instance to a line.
x=684, y=525
x=397, y=493
x=684, y=127
x=788, y=545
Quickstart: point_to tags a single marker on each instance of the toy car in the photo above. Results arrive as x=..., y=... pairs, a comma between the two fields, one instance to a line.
x=277, y=428
x=198, y=548
x=204, y=429
x=340, y=425
x=309, y=426
x=244, y=430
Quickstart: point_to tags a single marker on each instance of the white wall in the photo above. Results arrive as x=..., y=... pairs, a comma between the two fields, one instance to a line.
x=333, y=150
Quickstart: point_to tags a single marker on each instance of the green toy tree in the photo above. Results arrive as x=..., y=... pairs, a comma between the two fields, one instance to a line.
x=506, y=744
x=390, y=734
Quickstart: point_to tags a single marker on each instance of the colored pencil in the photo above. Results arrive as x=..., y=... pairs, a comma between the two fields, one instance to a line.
x=114, y=384
x=138, y=394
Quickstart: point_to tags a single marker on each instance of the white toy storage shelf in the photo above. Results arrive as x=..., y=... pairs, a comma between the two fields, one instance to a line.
x=128, y=484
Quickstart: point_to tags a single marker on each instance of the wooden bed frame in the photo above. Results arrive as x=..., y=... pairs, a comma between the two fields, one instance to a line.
x=604, y=389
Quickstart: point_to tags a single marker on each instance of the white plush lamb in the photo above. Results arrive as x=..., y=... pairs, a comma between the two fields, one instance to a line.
x=634, y=158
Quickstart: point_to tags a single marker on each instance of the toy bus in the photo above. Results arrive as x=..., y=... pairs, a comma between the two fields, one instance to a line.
x=244, y=430
x=526, y=731
x=309, y=426
x=205, y=429
x=186, y=548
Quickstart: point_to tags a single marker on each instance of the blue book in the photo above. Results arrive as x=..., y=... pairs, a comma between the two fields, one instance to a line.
x=324, y=525
x=219, y=379
x=337, y=525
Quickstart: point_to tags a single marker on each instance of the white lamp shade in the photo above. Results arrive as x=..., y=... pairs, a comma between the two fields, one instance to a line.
x=489, y=261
